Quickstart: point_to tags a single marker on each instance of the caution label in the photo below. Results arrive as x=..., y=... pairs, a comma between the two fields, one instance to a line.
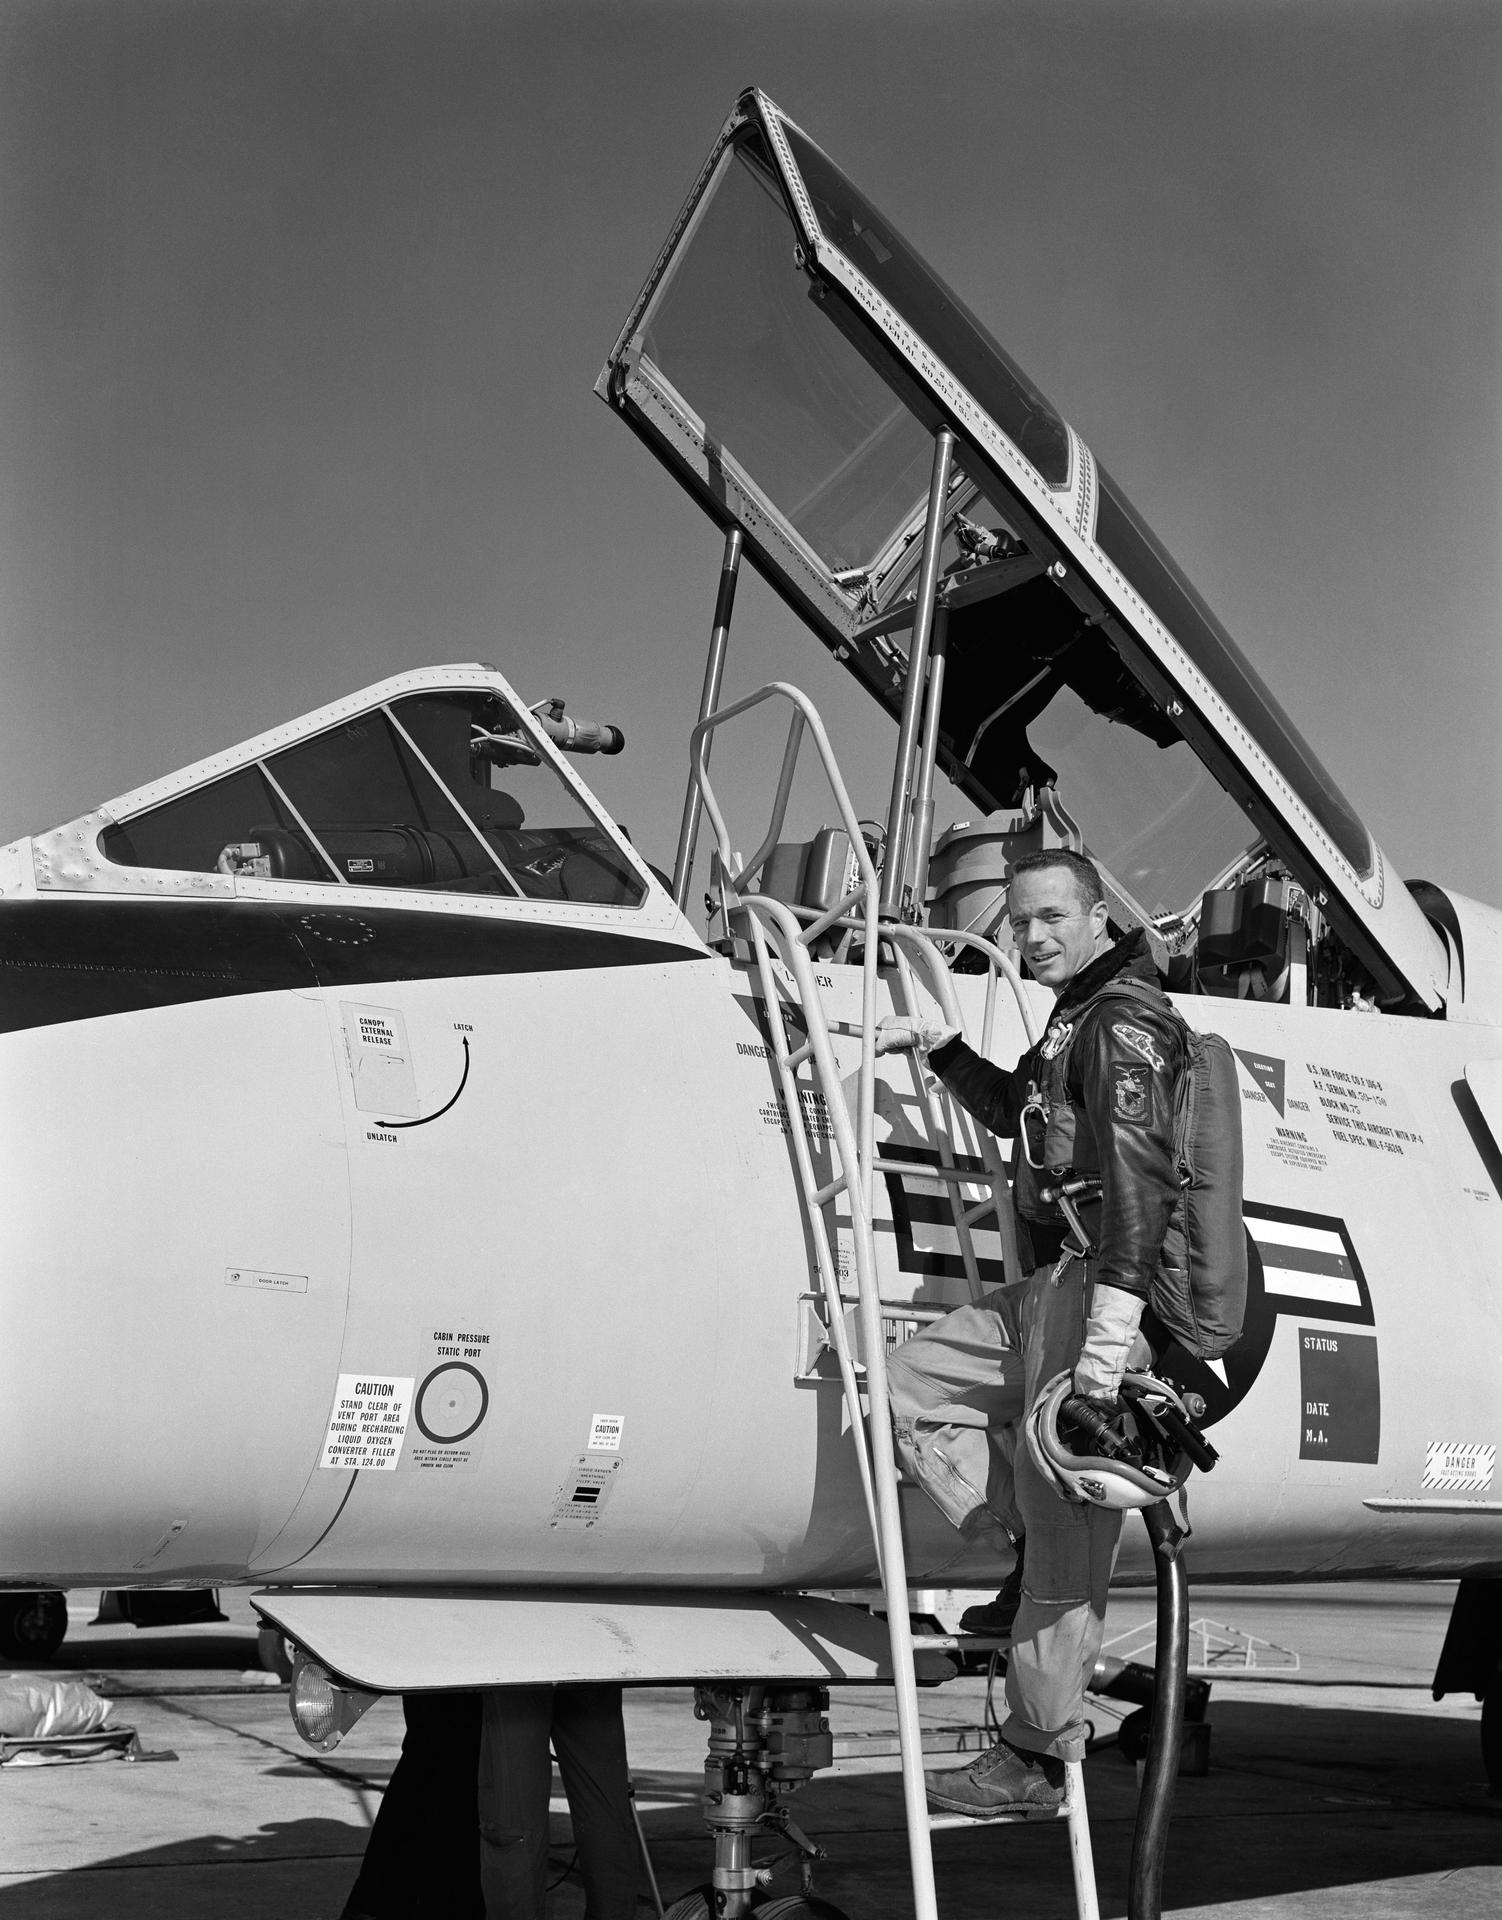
x=369, y=1422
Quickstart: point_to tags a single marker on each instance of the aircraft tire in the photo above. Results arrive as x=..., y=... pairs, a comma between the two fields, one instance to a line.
x=1491, y=1733
x=274, y=1651
x=698, y=1905
x=799, y=1906
x=32, y=1625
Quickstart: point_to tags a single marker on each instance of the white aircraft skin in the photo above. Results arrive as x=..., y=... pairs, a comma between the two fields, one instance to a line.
x=574, y=1266
x=606, y=1222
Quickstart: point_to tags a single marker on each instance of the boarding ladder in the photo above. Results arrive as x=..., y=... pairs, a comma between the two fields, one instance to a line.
x=782, y=939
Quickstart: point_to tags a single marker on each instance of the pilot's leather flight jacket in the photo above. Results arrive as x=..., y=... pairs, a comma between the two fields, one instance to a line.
x=1096, y=1095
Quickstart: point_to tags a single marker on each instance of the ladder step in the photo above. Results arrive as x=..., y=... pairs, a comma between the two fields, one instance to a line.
x=942, y=1822
x=960, y=1642
x=885, y=1742
x=958, y=1176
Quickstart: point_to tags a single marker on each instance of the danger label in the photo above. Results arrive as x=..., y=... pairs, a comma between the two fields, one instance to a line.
x=1458, y=1466
x=369, y=1421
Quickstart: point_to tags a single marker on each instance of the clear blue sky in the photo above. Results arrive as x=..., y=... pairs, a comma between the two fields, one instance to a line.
x=301, y=305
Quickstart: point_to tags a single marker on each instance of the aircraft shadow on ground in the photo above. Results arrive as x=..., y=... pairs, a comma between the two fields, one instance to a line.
x=151, y=1649
x=302, y=1870
x=1298, y=1799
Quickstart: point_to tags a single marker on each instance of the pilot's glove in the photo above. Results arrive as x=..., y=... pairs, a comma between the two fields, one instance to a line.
x=1115, y=1316
x=899, y=1033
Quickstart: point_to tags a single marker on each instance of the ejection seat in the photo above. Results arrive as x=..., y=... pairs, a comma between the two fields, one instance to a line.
x=813, y=876
x=1247, y=936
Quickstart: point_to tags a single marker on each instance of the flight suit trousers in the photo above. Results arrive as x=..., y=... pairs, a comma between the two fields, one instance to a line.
x=958, y=1391
x=584, y=1726
x=422, y=1860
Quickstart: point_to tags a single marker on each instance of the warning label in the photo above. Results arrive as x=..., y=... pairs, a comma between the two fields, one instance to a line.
x=369, y=1422
x=816, y=1120
x=1293, y=1147
x=605, y=1432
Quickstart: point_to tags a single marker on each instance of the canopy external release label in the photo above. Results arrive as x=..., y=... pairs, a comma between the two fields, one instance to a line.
x=369, y=1422
x=380, y=1060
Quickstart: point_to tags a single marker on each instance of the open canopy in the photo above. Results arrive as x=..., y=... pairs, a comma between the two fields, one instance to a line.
x=790, y=359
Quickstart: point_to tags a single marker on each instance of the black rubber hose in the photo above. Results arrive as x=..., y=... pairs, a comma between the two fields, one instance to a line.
x=1160, y=1769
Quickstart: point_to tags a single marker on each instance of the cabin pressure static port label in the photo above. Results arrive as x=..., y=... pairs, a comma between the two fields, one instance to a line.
x=369, y=1422
x=452, y=1399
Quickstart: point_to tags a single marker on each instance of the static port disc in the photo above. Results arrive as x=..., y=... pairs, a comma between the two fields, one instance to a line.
x=451, y=1403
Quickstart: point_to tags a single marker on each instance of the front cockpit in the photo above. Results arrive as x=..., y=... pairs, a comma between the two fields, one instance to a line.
x=437, y=791
x=438, y=785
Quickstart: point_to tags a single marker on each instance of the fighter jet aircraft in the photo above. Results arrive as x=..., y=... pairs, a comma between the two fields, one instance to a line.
x=409, y=1210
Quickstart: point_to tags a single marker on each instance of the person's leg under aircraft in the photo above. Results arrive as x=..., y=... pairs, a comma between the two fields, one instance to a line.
x=515, y=1785
x=589, y=1738
x=421, y=1858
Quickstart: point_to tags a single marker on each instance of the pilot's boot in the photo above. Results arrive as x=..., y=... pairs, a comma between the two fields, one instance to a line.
x=996, y=1617
x=1005, y=1779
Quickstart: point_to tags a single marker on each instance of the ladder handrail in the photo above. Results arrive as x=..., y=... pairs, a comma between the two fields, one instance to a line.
x=805, y=714
x=775, y=925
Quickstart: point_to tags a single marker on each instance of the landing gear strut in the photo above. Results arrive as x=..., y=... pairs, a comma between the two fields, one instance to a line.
x=765, y=1742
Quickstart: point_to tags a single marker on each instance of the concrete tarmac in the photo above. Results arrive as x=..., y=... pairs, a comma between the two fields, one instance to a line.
x=1336, y=1787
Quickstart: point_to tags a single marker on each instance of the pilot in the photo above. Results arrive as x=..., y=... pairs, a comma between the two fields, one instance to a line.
x=1096, y=1093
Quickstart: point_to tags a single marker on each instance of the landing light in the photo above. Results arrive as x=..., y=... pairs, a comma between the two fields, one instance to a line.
x=323, y=1709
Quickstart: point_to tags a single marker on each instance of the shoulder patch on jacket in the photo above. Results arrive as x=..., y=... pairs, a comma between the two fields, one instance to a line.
x=1131, y=1094
x=1142, y=1043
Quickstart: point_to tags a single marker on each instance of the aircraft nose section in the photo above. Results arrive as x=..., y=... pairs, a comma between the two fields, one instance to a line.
x=174, y=1261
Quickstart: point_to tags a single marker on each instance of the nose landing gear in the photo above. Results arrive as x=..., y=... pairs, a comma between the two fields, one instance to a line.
x=765, y=1742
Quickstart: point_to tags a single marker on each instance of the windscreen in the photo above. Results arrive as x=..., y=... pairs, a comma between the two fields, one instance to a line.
x=441, y=792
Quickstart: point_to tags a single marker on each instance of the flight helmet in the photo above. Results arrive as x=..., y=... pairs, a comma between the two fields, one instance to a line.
x=1125, y=1460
